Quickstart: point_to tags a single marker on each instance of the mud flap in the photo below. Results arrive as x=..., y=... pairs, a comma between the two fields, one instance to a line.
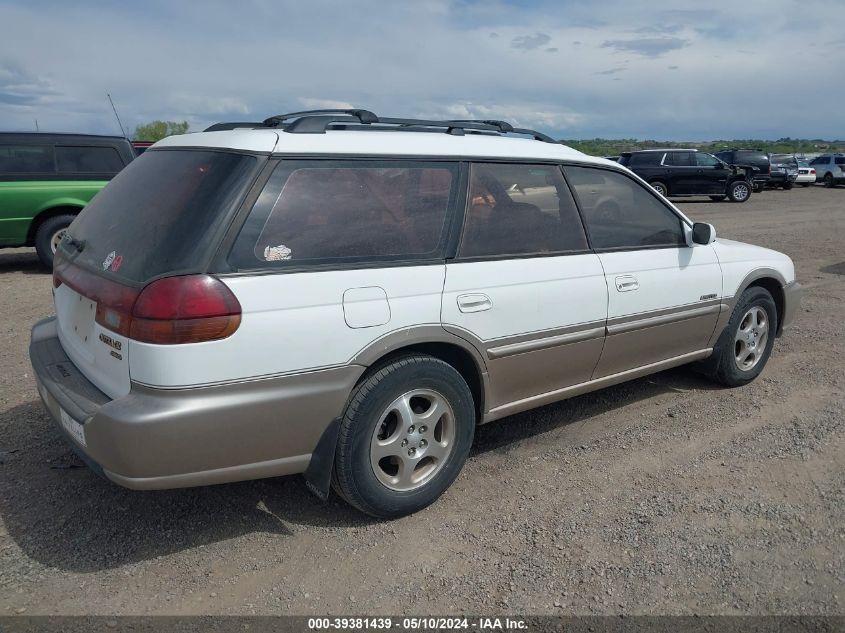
x=318, y=475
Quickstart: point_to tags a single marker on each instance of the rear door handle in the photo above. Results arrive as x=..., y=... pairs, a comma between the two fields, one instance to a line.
x=474, y=303
x=626, y=283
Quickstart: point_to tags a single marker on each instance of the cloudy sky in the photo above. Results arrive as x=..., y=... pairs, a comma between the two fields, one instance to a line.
x=676, y=71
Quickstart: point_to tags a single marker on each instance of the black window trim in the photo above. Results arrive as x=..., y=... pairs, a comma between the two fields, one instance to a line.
x=649, y=247
x=222, y=264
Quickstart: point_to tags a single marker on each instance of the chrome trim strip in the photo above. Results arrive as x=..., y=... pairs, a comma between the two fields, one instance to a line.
x=592, y=385
x=663, y=319
x=537, y=344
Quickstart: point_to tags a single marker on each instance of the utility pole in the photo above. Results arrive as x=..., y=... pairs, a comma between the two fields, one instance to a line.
x=122, y=131
x=36, y=126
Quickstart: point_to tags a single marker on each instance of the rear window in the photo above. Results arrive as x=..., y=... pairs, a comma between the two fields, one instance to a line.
x=161, y=213
x=27, y=159
x=645, y=158
x=324, y=212
x=88, y=160
x=750, y=157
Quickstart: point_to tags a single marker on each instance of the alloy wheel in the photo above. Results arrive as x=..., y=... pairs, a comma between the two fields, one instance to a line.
x=751, y=338
x=412, y=440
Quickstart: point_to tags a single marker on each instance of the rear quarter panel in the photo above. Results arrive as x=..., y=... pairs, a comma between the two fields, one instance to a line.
x=22, y=201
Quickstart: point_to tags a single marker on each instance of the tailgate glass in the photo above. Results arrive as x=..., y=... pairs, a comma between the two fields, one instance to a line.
x=160, y=215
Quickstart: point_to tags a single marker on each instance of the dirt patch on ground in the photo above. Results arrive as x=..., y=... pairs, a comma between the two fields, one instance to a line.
x=663, y=495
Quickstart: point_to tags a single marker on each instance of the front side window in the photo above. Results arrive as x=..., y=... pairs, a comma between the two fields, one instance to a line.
x=82, y=160
x=515, y=209
x=621, y=213
x=706, y=160
x=26, y=159
x=342, y=211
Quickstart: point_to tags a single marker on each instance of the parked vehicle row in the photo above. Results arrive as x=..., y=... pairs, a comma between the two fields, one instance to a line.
x=348, y=297
x=732, y=174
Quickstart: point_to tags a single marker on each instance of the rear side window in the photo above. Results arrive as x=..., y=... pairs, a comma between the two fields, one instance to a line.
x=645, y=158
x=322, y=212
x=678, y=159
x=161, y=213
x=519, y=209
x=839, y=160
x=620, y=213
x=82, y=160
x=27, y=159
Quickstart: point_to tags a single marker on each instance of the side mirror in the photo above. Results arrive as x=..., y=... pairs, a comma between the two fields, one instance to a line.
x=703, y=233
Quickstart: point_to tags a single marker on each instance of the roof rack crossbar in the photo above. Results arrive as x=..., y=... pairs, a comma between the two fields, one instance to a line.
x=318, y=121
x=363, y=116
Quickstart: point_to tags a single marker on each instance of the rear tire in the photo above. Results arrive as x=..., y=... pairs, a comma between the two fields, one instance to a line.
x=746, y=344
x=660, y=187
x=717, y=198
x=394, y=456
x=739, y=191
x=828, y=180
x=805, y=184
x=48, y=236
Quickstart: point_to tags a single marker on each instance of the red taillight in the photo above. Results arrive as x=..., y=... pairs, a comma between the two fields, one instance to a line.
x=114, y=301
x=812, y=171
x=189, y=309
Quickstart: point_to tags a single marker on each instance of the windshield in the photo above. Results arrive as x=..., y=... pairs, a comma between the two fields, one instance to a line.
x=160, y=214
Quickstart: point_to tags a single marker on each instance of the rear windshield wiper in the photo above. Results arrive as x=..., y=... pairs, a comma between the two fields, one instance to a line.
x=77, y=245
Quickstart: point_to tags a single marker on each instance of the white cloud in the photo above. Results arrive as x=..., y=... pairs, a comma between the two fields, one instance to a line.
x=430, y=58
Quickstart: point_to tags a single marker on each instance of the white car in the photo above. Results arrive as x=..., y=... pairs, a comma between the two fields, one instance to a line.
x=806, y=174
x=344, y=296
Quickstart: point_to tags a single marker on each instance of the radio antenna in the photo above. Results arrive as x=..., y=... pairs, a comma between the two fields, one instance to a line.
x=116, y=116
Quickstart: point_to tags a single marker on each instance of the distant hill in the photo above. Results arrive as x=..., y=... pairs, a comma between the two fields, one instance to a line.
x=613, y=147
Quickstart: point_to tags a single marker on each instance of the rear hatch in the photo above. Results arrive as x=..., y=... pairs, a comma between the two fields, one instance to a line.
x=162, y=216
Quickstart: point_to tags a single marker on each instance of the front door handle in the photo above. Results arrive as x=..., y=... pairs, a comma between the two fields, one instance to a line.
x=474, y=303
x=626, y=283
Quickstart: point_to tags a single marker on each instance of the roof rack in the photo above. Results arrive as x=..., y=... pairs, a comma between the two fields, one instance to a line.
x=320, y=121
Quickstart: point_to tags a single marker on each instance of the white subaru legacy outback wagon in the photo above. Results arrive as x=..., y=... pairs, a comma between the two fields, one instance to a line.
x=347, y=296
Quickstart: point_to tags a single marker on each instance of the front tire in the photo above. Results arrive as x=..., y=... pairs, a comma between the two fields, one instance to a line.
x=49, y=235
x=787, y=186
x=746, y=344
x=805, y=184
x=404, y=437
x=739, y=191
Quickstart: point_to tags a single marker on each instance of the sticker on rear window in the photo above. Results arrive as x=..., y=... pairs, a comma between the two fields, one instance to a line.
x=276, y=253
x=108, y=260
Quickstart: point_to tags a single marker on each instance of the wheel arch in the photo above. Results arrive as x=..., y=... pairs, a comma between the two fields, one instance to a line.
x=46, y=214
x=771, y=280
x=438, y=343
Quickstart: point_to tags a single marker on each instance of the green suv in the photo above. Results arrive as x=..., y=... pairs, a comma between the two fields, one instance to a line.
x=46, y=179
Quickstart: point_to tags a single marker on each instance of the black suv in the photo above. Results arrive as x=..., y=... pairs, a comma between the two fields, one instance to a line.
x=688, y=172
x=756, y=160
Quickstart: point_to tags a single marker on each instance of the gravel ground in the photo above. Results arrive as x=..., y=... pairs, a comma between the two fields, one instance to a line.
x=665, y=495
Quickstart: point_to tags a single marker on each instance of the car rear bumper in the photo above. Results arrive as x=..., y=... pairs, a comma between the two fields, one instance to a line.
x=175, y=438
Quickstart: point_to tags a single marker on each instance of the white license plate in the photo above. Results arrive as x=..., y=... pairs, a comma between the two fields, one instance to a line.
x=73, y=427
